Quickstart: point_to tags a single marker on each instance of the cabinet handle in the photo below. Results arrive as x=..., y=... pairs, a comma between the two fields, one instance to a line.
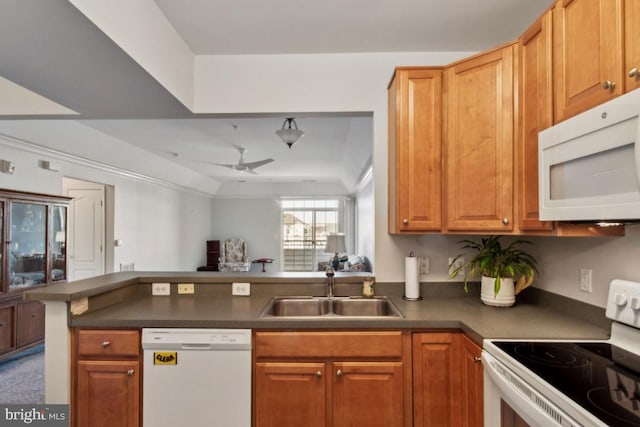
x=505, y=221
x=318, y=374
x=339, y=373
x=33, y=315
x=634, y=72
x=106, y=344
x=609, y=85
x=477, y=359
x=130, y=372
x=405, y=221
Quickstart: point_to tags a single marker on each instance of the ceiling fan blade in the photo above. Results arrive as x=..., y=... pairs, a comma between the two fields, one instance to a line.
x=216, y=164
x=253, y=165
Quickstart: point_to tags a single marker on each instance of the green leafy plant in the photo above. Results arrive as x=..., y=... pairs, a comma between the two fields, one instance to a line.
x=494, y=260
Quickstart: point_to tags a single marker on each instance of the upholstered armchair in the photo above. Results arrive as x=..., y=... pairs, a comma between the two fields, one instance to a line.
x=233, y=256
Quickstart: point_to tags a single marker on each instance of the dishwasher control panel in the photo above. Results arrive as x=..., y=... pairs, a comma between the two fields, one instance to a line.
x=196, y=339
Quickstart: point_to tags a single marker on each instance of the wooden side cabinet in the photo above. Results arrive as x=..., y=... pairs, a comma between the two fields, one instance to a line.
x=107, y=378
x=331, y=379
x=479, y=141
x=447, y=380
x=415, y=150
x=535, y=114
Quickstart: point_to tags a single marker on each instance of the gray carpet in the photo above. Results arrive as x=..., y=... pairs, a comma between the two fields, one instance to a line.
x=22, y=377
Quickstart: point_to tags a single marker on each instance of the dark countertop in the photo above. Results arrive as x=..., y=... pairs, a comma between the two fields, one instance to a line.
x=444, y=306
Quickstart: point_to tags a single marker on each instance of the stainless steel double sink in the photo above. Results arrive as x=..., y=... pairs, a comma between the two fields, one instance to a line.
x=330, y=307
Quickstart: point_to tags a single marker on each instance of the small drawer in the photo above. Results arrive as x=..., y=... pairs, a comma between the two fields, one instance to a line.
x=102, y=342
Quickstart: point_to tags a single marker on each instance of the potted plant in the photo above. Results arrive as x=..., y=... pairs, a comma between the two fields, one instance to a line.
x=500, y=267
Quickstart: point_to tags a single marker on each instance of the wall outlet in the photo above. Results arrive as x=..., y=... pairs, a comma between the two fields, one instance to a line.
x=241, y=288
x=585, y=283
x=161, y=289
x=423, y=265
x=459, y=262
x=185, y=288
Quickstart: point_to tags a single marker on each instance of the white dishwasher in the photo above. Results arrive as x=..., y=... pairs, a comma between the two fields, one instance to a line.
x=196, y=377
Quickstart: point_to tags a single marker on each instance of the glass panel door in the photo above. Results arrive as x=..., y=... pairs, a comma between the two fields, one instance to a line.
x=59, y=243
x=28, y=245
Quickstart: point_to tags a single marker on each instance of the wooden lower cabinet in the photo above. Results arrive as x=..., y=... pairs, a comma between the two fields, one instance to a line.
x=108, y=393
x=30, y=322
x=447, y=380
x=367, y=394
x=335, y=379
x=290, y=394
x=7, y=328
x=107, y=386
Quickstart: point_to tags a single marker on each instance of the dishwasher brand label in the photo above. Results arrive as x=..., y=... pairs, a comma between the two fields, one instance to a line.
x=165, y=357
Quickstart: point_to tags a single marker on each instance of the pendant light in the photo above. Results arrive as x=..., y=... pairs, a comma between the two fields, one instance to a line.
x=289, y=134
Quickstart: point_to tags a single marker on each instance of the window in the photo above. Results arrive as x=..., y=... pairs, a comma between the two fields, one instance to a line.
x=305, y=226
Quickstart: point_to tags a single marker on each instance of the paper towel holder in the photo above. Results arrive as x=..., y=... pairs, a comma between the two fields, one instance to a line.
x=419, y=297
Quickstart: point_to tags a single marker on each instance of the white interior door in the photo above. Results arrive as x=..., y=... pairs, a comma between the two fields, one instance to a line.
x=86, y=228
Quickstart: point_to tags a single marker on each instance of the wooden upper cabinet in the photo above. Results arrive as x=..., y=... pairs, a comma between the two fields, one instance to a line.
x=415, y=150
x=535, y=114
x=632, y=44
x=587, y=54
x=478, y=141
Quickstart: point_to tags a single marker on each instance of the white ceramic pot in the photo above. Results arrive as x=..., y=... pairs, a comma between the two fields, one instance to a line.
x=506, y=297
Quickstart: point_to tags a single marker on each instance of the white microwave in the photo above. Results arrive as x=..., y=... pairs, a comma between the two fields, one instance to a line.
x=589, y=165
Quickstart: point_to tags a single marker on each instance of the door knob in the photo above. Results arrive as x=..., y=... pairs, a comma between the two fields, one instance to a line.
x=634, y=72
x=609, y=85
x=339, y=373
x=405, y=221
x=106, y=344
x=477, y=359
x=505, y=220
x=130, y=372
x=318, y=374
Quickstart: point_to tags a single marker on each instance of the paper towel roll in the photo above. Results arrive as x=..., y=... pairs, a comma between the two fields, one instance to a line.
x=411, y=282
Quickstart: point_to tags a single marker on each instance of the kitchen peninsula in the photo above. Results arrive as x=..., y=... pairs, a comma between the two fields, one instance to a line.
x=124, y=301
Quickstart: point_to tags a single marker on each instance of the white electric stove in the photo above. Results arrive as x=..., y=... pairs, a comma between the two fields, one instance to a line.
x=569, y=383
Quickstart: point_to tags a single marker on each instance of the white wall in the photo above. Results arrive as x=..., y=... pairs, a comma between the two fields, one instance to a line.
x=256, y=221
x=161, y=228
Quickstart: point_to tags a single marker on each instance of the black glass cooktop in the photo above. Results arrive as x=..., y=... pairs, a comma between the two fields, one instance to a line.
x=602, y=378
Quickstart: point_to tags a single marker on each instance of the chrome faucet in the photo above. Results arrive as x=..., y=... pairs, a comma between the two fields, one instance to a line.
x=330, y=272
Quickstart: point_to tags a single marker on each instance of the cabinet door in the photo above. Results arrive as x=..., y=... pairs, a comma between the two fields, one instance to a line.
x=535, y=114
x=632, y=43
x=436, y=380
x=415, y=148
x=30, y=322
x=290, y=394
x=479, y=143
x=108, y=393
x=7, y=328
x=28, y=245
x=367, y=394
x=587, y=53
x=472, y=383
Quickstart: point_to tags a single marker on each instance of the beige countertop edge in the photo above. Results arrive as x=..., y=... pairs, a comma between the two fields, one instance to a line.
x=113, y=281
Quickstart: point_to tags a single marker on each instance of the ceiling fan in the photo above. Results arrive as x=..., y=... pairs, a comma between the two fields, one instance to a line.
x=242, y=166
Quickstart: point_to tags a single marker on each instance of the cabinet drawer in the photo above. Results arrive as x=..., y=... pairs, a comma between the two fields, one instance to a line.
x=30, y=322
x=106, y=343
x=7, y=322
x=379, y=344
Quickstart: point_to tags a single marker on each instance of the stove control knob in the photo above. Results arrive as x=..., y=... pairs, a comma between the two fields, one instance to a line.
x=620, y=300
x=635, y=303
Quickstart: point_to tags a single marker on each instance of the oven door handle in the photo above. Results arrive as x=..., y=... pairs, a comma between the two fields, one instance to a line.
x=534, y=408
